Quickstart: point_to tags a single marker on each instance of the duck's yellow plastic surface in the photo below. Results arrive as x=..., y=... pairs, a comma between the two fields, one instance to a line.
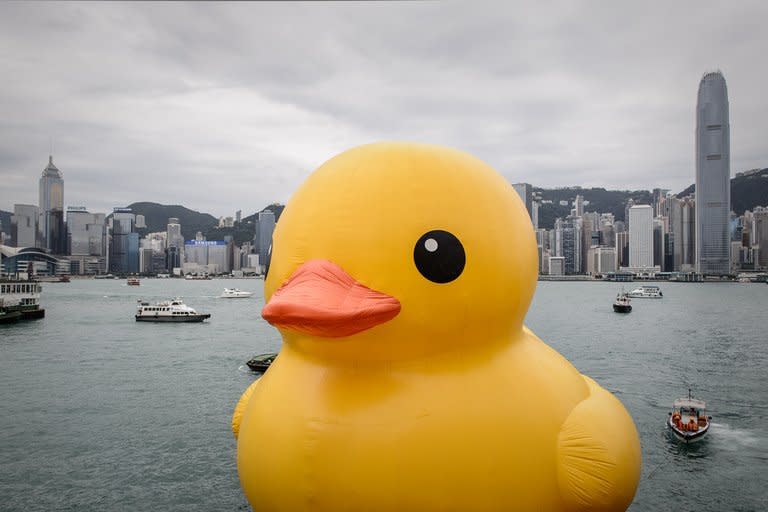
x=452, y=404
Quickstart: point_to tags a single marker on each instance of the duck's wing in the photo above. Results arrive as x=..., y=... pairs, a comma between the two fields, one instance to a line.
x=598, y=454
x=237, y=416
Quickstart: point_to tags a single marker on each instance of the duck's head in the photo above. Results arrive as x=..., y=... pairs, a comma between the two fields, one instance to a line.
x=393, y=251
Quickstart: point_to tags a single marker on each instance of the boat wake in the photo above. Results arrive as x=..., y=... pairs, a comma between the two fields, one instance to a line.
x=735, y=438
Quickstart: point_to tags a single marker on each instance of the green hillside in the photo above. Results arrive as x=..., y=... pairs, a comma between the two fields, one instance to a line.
x=600, y=200
x=747, y=191
x=156, y=217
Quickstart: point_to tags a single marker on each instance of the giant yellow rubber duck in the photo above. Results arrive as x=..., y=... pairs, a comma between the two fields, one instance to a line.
x=400, y=277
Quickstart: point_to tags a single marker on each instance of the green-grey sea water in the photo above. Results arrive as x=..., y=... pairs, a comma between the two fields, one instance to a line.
x=98, y=412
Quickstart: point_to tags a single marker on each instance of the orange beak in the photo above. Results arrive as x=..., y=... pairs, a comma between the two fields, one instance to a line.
x=321, y=299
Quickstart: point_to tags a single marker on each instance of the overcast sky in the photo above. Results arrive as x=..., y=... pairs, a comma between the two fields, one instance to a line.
x=221, y=107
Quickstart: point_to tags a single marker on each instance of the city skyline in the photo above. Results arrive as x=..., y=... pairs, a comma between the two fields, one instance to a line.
x=218, y=104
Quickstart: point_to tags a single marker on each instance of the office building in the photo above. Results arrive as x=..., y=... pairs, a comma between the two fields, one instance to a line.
x=641, y=236
x=266, y=222
x=556, y=265
x=86, y=241
x=25, y=228
x=51, y=205
x=760, y=222
x=525, y=191
x=206, y=256
x=124, y=247
x=713, y=176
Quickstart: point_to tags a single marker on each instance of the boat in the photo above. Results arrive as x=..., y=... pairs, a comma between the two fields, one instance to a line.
x=234, y=293
x=261, y=362
x=63, y=278
x=21, y=296
x=103, y=276
x=197, y=277
x=9, y=316
x=173, y=310
x=133, y=281
x=621, y=304
x=646, y=291
x=688, y=419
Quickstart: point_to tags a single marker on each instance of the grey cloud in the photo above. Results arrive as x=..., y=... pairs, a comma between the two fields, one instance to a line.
x=224, y=106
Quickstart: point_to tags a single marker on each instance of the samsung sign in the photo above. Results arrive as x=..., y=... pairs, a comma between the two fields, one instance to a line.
x=205, y=242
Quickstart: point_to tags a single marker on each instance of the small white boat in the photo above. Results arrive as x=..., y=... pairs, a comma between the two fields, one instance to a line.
x=168, y=311
x=234, y=293
x=688, y=420
x=646, y=291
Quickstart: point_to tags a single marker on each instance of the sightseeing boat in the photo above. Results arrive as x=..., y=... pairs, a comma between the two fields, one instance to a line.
x=133, y=281
x=22, y=297
x=173, y=310
x=261, y=362
x=688, y=419
x=621, y=304
x=646, y=291
x=234, y=293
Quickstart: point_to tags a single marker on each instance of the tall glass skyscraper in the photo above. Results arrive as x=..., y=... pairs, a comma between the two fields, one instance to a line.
x=713, y=176
x=53, y=237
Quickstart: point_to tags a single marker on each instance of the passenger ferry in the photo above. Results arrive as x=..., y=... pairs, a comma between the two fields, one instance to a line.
x=21, y=296
x=646, y=291
x=173, y=310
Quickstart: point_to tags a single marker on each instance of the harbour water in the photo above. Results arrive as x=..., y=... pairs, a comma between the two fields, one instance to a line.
x=98, y=412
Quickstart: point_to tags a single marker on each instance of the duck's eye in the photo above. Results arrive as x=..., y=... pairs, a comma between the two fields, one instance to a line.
x=439, y=256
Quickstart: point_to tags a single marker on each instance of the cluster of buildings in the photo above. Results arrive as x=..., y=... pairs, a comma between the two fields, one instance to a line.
x=696, y=235
x=44, y=239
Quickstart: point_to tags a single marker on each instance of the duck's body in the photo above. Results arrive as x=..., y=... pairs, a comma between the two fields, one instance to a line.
x=377, y=402
x=417, y=436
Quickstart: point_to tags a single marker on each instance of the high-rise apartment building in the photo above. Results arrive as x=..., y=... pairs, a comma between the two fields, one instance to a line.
x=641, y=236
x=51, y=224
x=713, y=176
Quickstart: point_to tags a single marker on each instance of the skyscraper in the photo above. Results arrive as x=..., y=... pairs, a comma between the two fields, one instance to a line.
x=525, y=191
x=641, y=236
x=86, y=241
x=713, y=176
x=266, y=221
x=24, y=225
x=52, y=235
x=124, y=249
